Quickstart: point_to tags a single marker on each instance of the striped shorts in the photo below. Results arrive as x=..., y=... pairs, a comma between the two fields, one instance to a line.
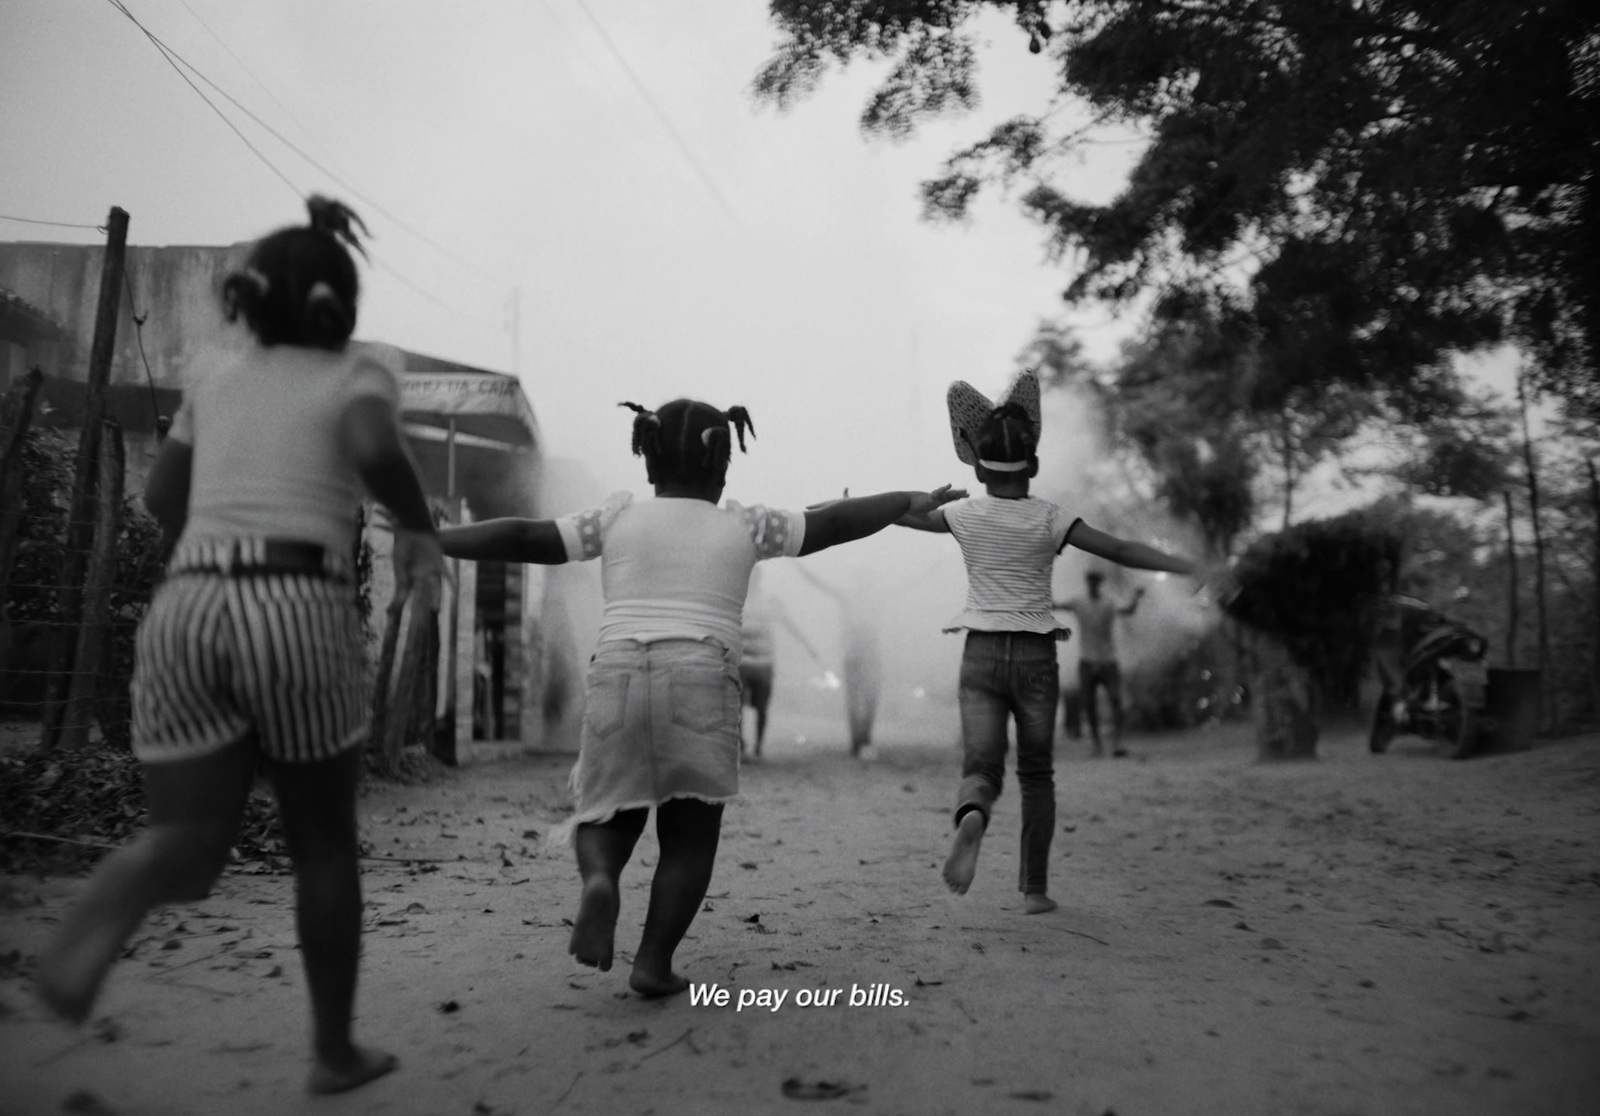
x=274, y=656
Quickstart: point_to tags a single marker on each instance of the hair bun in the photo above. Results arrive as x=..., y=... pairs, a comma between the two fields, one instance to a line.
x=337, y=220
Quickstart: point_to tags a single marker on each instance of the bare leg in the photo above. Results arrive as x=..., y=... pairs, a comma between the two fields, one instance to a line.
x=1115, y=693
x=317, y=802
x=689, y=831
x=603, y=850
x=1091, y=714
x=761, y=724
x=195, y=806
x=1088, y=696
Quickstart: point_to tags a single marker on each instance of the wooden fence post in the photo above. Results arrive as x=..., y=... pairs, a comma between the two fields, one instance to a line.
x=89, y=655
x=80, y=514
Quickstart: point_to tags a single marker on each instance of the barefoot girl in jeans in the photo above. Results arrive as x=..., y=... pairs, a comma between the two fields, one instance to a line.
x=1008, y=669
x=252, y=652
x=661, y=721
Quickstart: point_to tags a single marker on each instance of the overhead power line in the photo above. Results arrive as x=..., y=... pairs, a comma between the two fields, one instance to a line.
x=169, y=54
x=173, y=59
x=56, y=224
x=666, y=122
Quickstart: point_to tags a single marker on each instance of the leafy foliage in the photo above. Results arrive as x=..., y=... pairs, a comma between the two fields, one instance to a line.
x=91, y=799
x=34, y=605
x=1314, y=588
x=1355, y=188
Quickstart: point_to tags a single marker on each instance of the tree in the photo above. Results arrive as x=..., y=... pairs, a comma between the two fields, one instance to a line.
x=1177, y=406
x=1359, y=187
x=1309, y=595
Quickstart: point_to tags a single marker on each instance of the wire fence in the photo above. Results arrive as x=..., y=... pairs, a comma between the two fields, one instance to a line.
x=78, y=562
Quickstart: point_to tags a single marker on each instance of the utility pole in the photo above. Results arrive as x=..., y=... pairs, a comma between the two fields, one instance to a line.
x=81, y=516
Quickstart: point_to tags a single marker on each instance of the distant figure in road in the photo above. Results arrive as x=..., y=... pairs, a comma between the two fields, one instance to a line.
x=863, y=657
x=1097, y=656
x=763, y=614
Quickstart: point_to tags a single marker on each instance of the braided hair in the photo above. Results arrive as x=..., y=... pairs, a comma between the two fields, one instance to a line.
x=686, y=440
x=299, y=284
x=1006, y=436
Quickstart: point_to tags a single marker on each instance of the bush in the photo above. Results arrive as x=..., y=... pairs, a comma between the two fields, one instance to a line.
x=1315, y=588
x=34, y=607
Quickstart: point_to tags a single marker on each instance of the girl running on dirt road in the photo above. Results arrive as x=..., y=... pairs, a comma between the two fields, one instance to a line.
x=662, y=721
x=252, y=652
x=1009, y=541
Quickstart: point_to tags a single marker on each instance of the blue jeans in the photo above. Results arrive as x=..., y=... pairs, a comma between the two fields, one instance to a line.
x=1011, y=675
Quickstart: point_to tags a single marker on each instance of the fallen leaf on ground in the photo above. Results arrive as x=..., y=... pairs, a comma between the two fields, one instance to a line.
x=796, y=1089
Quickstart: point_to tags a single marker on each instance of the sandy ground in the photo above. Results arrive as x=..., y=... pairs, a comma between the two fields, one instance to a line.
x=1395, y=934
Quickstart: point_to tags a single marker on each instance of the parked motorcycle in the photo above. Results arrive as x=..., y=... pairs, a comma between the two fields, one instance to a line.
x=1434, y=676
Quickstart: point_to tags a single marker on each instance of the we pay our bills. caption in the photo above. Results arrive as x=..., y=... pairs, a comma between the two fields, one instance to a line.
x=773, y=999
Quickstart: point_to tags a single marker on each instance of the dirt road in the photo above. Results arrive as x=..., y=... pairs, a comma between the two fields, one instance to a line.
x=1396, y=934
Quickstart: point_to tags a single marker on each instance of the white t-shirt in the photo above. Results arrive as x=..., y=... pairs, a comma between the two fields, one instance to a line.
x=268, y=457
x=1010, y=547
x=677, y=568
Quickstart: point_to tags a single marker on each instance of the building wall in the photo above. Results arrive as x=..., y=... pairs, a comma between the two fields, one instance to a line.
x=177, y=290
x=178, y=293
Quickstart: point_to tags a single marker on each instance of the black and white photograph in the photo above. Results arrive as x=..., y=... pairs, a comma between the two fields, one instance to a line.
x=905, y=557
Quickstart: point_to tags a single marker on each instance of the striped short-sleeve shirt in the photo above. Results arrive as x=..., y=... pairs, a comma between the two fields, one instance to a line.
x=1010, y=547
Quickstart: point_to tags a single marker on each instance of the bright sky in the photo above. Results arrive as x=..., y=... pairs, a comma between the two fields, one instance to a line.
x=598, y=164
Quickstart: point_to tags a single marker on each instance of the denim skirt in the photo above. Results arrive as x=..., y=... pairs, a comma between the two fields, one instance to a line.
x=661, y=721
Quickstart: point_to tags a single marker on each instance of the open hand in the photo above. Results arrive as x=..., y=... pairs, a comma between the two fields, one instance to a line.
x=924, y=502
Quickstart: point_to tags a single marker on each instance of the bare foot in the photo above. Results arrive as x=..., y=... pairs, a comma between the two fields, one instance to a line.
x=653, y=986
x=595, y=930
x=1037, y=902
x=962, y=863
x=343, y=1074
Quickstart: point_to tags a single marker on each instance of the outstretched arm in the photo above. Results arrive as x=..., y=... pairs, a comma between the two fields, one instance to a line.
x=1126, y=552
x=842, y=521
x=371, y=430
x=927, y=521
x=370, y=427
x=537, y=541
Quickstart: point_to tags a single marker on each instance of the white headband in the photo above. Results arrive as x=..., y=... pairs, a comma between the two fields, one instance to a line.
x=1003, y=466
